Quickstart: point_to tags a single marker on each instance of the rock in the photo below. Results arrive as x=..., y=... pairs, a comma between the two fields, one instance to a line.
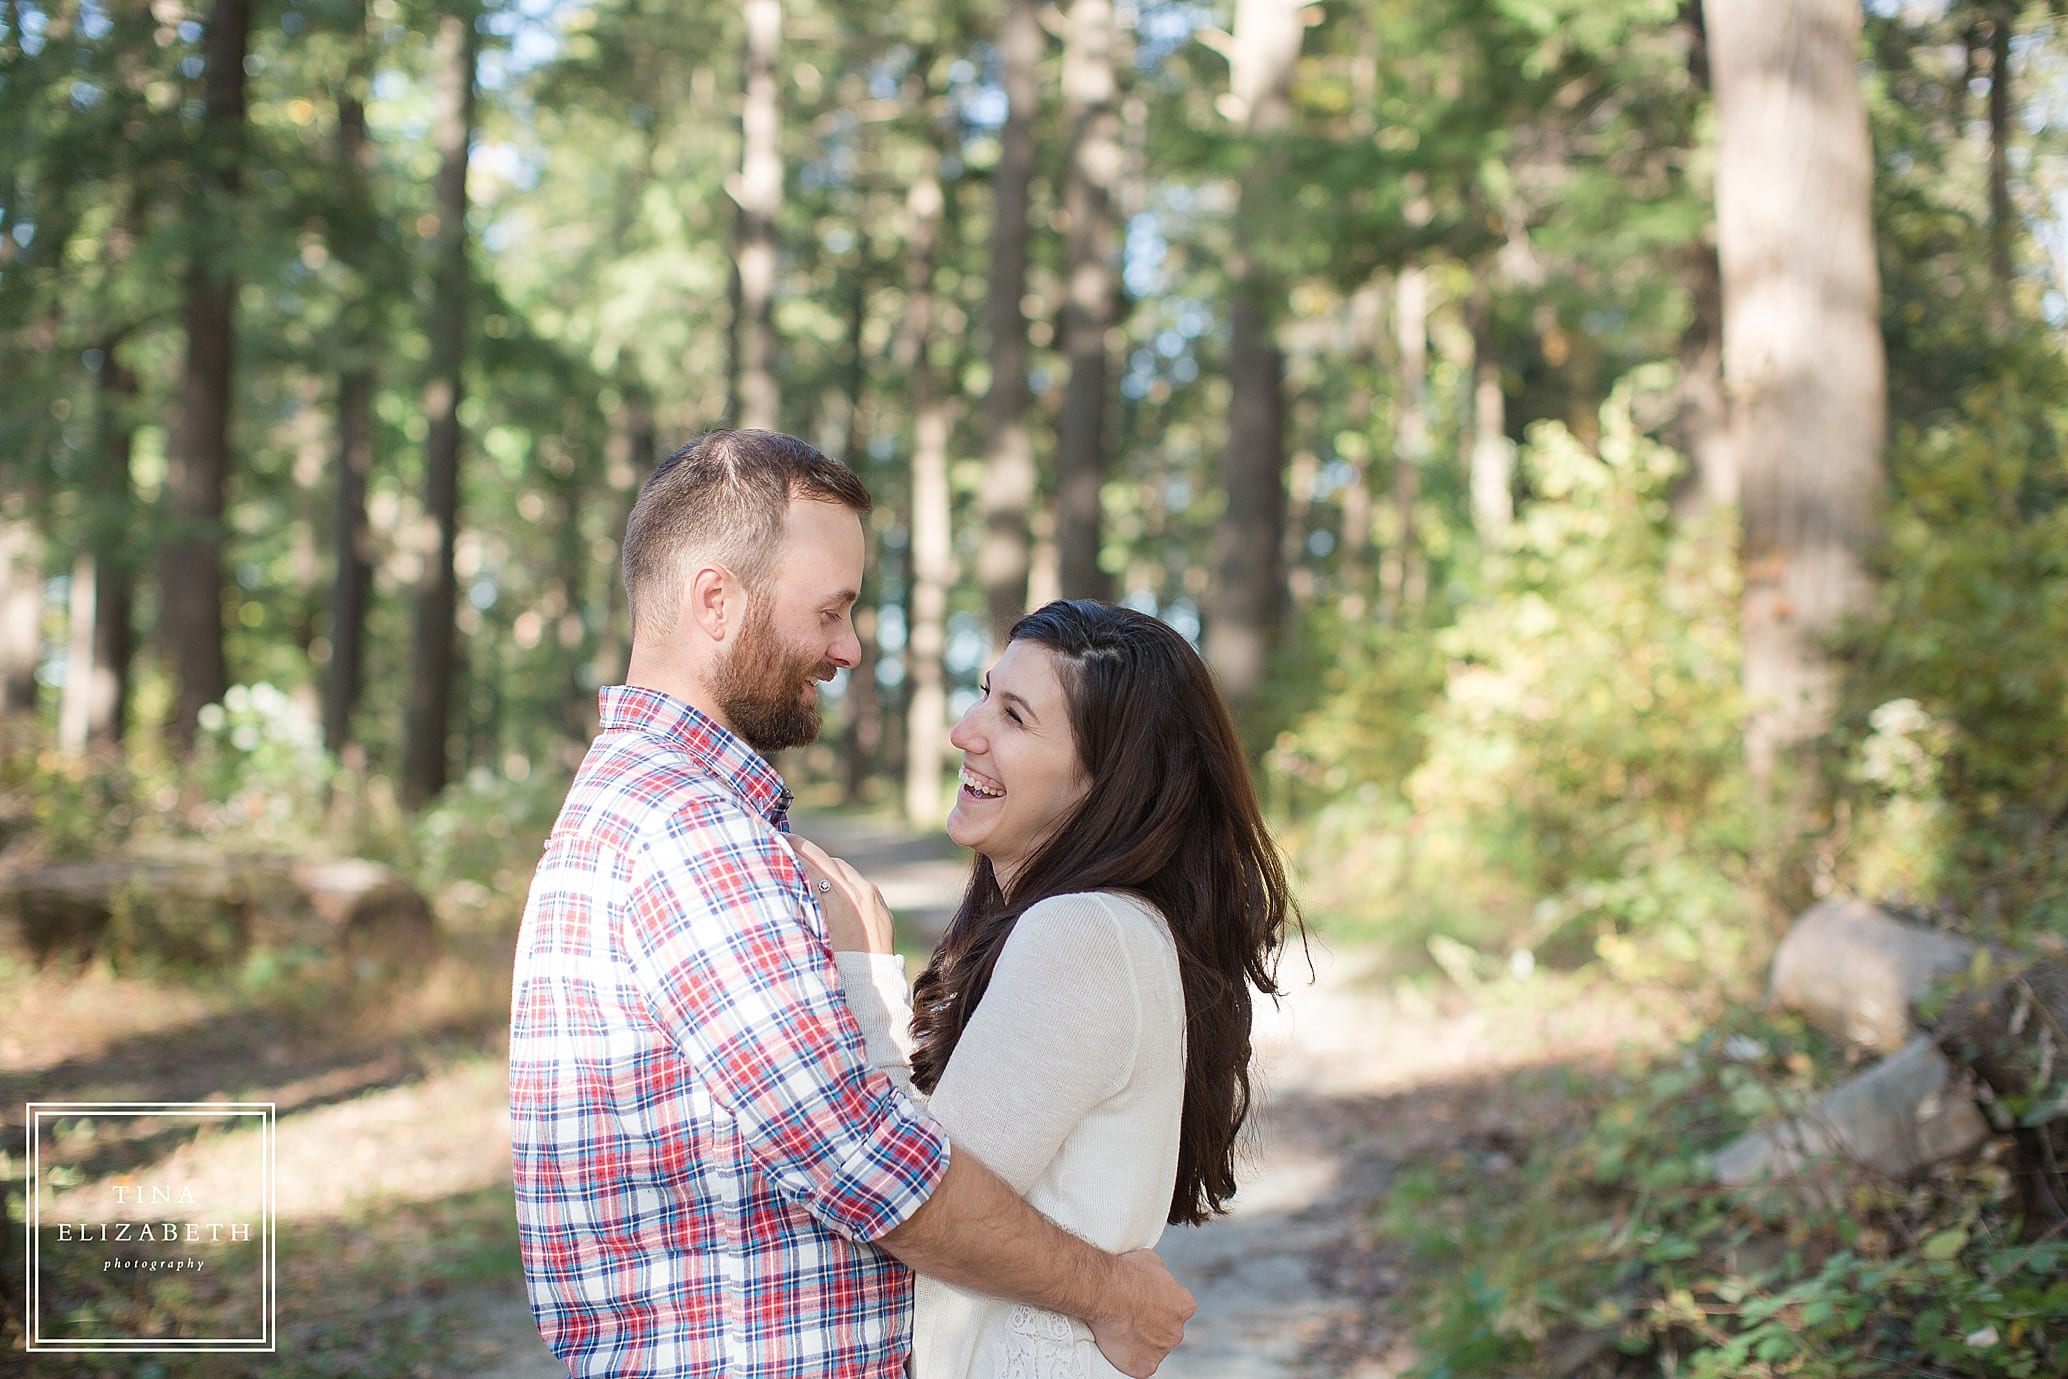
x=1854, y=971
x=1907, y=1111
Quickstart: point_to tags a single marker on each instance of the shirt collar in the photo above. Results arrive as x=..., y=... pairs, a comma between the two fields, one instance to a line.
x=632, y=708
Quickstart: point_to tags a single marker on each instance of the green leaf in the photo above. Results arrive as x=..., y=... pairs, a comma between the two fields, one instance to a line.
x=1944, y=1245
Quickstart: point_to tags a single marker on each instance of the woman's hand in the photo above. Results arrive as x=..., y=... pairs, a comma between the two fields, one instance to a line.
x=857, y=920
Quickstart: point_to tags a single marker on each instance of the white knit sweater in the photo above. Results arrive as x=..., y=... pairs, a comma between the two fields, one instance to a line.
x=1068, y=1083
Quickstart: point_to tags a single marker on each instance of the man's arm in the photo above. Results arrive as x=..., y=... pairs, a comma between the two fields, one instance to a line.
x=974, y=1232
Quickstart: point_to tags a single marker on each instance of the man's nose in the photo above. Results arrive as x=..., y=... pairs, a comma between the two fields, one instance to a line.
x=847, y=652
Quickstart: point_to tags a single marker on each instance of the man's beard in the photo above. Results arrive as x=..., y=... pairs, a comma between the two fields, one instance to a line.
x=760, y=687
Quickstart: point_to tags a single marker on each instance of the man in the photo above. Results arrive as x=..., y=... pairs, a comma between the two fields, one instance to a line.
x=705, y=1165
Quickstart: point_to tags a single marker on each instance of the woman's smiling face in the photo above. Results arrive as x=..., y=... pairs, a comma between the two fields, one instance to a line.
x=1020, y=774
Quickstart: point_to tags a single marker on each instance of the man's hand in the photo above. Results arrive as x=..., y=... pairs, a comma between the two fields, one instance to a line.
x=1148, y=1317
x=857, y=919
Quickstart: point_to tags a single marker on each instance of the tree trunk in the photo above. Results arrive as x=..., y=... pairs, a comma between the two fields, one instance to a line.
x=1367, y=329
x=1007, y=493
x=21, y=607
x=1803, y=356
x=103, y=579
x=79, y=621
x=1401, y=571
x=1250, y=605
x=1250, y=598
x=352, y=543
x=760, y=198
x=933, y=572
x=98, y=640
x=1091, y=113
x=1302, y=478
x=1702, y=431
x=198, y=460
x=351, y=534
x=1492, y=463
x=630, y=460
x=2002, y=220
x=933, y=561
x=426, y=752
x=862, y=739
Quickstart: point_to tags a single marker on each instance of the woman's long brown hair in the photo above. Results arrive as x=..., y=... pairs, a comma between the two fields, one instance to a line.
x=1171, y=816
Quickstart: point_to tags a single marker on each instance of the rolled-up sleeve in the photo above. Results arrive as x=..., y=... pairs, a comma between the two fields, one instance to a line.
x=737, y=976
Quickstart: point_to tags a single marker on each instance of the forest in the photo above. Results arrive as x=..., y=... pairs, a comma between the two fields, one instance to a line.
x=1612, y=453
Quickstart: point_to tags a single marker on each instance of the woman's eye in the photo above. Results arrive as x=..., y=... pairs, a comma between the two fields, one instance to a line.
x=1014, y=715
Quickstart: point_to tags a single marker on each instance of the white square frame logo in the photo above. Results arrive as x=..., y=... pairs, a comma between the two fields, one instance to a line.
x=265, y=1113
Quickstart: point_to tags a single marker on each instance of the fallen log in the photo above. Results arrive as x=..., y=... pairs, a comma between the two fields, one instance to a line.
x=1908, y=1111
x=1855, y=972
x=1861, y=974
x=209, y=910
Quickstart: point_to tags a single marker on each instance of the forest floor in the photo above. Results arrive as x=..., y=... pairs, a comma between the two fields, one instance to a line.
x=398, y=1251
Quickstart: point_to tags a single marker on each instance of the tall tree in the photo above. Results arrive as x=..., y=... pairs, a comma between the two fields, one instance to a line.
x=863, y=734
x=21, y=606
x=2003, y=18
x=1366, y=310
x=1702, y=430
x=1402, y=569
x=1491, y=466
x=198, y=463
x=933, y=555
x=1250, y=594
x=1091, y=115
x=759, y=194
x=351, y=534
x=1007, y=492
x=426, y=752
x=1803, y=355
x=105, y=690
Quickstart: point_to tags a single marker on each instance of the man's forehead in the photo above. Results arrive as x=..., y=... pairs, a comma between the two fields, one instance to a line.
x=807, y=513
x=823, y=550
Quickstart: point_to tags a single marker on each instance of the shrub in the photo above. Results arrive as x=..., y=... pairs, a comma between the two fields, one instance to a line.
x=1960, y=702
x=1573, y=777
x=1620, y=1245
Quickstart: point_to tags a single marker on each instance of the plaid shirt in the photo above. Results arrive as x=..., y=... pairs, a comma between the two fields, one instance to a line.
x=700, y=1146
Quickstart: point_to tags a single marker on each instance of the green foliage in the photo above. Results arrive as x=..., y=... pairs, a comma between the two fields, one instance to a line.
x=1620, y=1244
x=65, y=807
x=1960, y=701
x=482, y=837
x=1572, y=777
x=260, y=760
x=261, y=783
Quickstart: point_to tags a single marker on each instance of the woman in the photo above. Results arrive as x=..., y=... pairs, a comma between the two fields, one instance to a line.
x=1084, y=1026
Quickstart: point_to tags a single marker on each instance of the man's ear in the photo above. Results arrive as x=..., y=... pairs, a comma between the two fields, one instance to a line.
x=715, y=602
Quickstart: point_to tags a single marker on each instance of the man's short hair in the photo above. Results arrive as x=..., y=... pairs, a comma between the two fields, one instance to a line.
x=722, y=498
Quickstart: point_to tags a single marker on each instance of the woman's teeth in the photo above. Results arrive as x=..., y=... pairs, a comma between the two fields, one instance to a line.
x=977, y=787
